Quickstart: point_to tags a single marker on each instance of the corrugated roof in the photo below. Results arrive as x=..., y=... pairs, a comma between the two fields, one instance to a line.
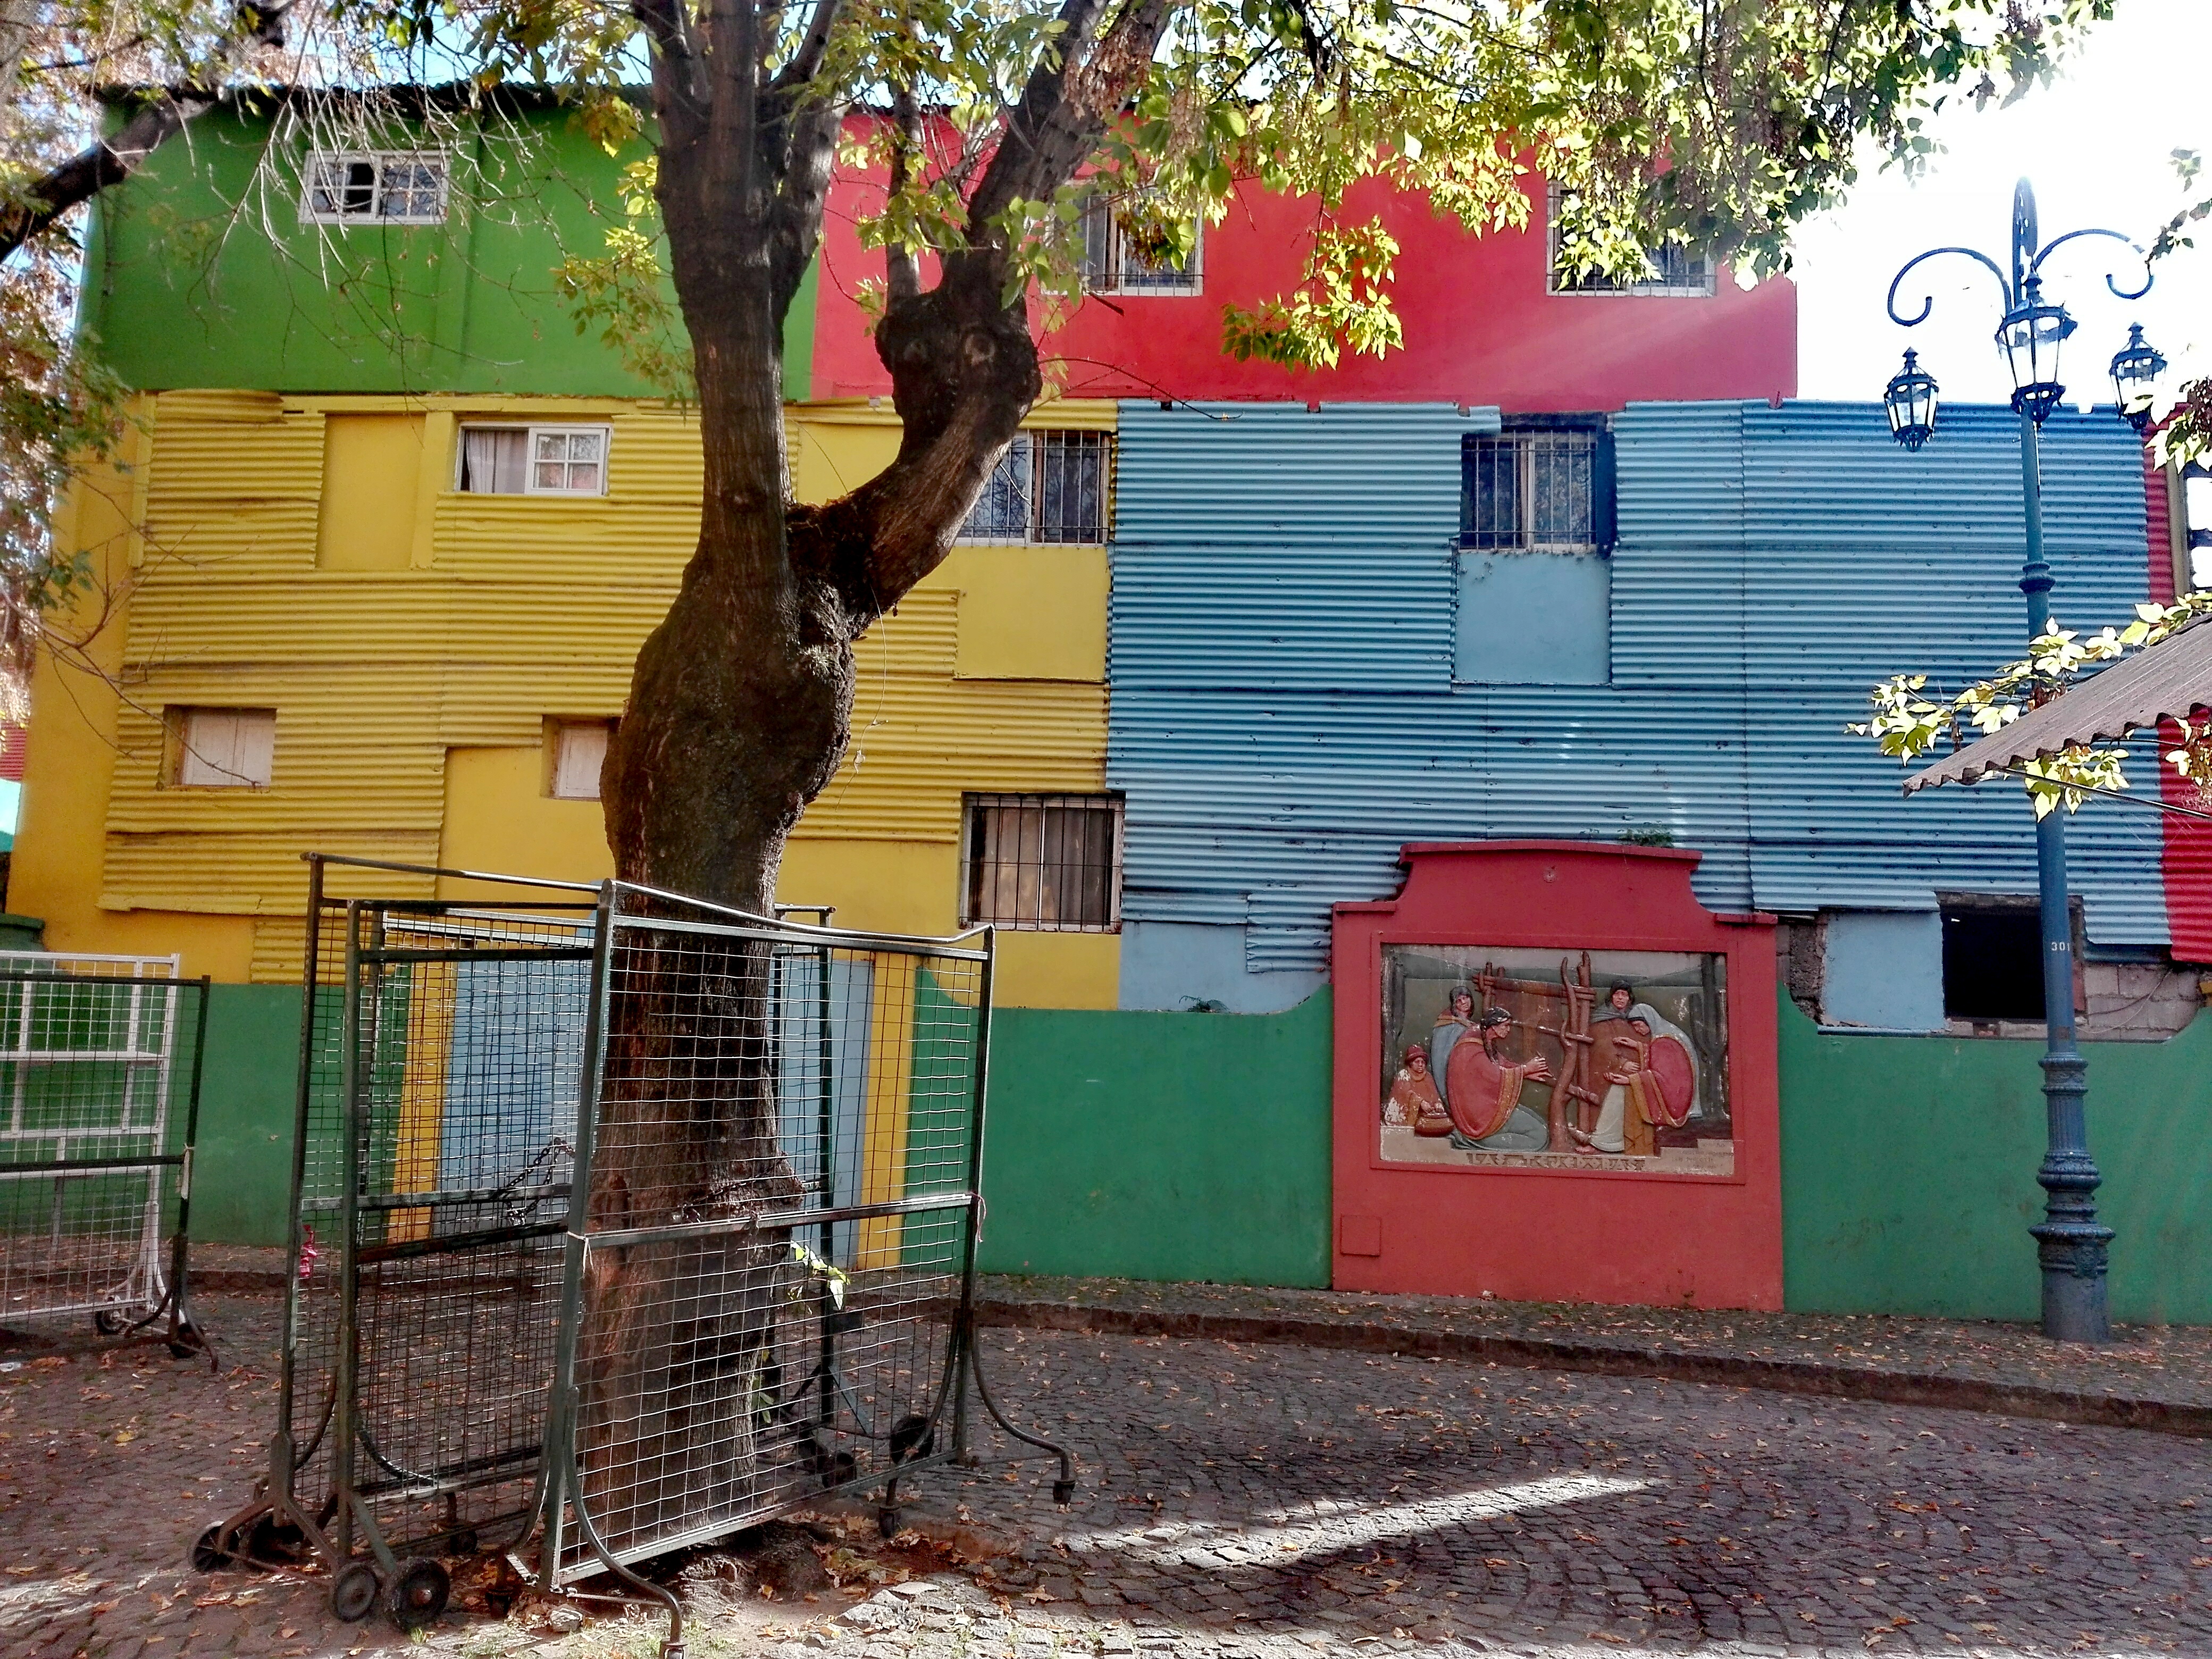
x=2173, y=680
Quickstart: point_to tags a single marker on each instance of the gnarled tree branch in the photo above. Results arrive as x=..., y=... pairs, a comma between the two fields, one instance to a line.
x=161, y=118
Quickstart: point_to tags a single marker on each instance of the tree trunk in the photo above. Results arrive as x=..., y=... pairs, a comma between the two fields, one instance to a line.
x=740, y=707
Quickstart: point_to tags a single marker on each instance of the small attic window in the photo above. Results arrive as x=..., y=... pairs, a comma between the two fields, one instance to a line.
x=392, y=188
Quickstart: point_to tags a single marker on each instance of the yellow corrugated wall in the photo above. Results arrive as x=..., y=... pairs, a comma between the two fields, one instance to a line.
x=513, y=610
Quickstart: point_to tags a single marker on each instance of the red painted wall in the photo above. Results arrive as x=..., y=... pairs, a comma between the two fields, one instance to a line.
x=1549, y=1234
x=2187, y=852
x=1480, y=327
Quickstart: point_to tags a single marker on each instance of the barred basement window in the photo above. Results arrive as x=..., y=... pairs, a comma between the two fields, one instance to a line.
x=1114, y=263
x=1051, y=486
x=1044, y=862
x=393, y=187
x=1542, y=484
x=1677, y=272
x=534, y=460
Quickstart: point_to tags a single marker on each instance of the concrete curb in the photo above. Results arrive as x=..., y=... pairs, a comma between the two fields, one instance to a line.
x=1806, y=1377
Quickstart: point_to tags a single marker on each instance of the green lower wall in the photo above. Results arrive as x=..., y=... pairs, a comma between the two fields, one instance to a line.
x=242, y=1172
x=1179, y=1145
x=1173, y=1145
x=1908, y=1172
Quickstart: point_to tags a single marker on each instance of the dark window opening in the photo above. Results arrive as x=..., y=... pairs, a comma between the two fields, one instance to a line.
x=1992, y=963
x=360, y=188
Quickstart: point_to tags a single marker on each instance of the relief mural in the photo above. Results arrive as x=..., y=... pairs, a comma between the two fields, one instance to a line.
x=1612, y=1061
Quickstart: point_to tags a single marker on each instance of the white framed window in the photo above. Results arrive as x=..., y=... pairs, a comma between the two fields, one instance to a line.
x=2195, y=527
x=1043, y=863
x=1677, y=272
x=382, y=186
x=1114, y=262
x=578, y=753
x=1050, y=487
x=223, y=748
x=533, y=460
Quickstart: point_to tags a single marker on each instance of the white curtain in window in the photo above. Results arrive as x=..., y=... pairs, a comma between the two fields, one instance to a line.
x=494, y=460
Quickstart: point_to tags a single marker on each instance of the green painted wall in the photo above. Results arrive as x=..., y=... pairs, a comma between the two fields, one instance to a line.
x=242, y=1173
x=1179, y=1145
x=1172, y=1145
x=1908, y=1172
x=200, y=274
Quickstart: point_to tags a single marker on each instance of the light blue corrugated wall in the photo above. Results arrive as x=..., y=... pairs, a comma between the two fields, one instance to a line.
x=1283, y=718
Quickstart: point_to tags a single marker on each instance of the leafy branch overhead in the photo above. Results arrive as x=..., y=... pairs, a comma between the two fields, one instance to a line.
x=1910, y=721
x=1681, y=122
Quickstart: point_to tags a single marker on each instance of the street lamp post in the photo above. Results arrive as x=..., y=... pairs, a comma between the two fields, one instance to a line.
x=2071, y=1243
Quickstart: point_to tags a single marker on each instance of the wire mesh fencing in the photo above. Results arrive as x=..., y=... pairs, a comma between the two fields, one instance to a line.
x=622, y=1222
x=99, y=1071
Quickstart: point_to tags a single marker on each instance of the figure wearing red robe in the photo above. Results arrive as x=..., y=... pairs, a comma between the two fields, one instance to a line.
x=1481, y=1088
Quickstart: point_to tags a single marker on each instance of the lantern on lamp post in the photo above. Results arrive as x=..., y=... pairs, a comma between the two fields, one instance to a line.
x=1910, y=399
x=2136, y=368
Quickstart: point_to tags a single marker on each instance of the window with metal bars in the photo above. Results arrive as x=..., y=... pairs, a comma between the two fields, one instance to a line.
x=1543, y=485
x=1676, y=271
x=1047, y=863
x=1050, y=486
x=1116, y=261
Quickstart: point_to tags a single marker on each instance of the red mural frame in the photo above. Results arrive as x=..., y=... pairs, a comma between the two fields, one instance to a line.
x=1649, y=1237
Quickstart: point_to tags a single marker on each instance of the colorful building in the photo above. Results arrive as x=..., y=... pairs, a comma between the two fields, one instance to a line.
x=1572, y=568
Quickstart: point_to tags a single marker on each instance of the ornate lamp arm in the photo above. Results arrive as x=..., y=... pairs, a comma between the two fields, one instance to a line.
x=1928, y=302
x=2124, y=293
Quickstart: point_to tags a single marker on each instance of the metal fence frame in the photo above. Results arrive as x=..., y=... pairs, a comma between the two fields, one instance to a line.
x=147, y=1294
x=785, y=1444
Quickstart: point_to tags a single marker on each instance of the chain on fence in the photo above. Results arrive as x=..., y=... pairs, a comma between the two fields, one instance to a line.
x=100, y=1073
x=623, y=1222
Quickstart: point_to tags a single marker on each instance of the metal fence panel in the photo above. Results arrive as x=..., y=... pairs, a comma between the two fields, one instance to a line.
x=98, y=1092
x=622, y=1221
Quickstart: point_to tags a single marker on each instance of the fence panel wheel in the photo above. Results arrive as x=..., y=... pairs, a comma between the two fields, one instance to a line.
x=353, y=1592
x=418, y=1595
x=207, y=1552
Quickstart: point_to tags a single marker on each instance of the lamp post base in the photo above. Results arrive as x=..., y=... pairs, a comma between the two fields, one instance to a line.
x=2071, y=1244
x=2074, y=1302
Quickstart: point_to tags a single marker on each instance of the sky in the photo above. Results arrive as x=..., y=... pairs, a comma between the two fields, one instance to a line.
x=2096, y=144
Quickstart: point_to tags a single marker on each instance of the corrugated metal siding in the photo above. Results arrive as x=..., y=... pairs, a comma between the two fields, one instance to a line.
x=1361, y=475
x=1378, y=616
x=1773, y=564
x=531, y=607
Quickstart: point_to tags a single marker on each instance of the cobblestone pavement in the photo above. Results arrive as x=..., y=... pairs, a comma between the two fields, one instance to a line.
x=1254, y=1501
